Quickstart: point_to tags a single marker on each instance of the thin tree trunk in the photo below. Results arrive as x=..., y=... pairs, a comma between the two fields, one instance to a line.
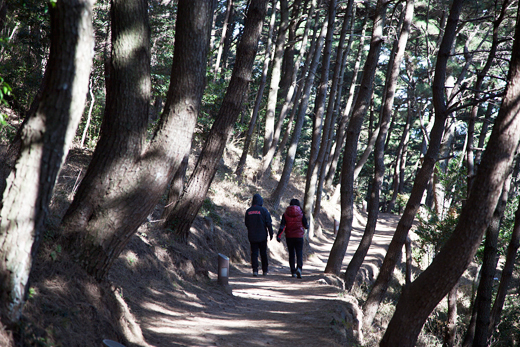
x=386, y=114
x=366, y=153
x=477, y=89
x=335, y=94
x=229, y=9
x=489, y=266
x=400, y=162
x=45, y=140
x=451, y=325
x=295, y=138
x=267, y=58
x=423, y=295
x=340, y=133
x=181, y=219
x=484, y=131
x=289, y=101
x=339, y=247
x=319, y=113
x=276, y=72
x=507, y=274
x=288, y=64
x=423, y=176
x=228, y=40
x=351, y=13
x=408, y=247
x=89, y=116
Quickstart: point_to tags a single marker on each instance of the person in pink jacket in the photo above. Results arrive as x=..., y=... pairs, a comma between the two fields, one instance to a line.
x=294, y=224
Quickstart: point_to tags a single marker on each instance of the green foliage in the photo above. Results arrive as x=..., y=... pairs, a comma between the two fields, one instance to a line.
x=208, y=210
x=401, y=201
x=7, y=131
x=23, y=54
x=5, y=90
x=433, y=232
x=508, y=330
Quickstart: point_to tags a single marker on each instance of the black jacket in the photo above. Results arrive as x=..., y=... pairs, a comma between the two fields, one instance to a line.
x=258, y=221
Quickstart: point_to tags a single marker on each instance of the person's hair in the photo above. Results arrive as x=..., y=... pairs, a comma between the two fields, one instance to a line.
x=295, y=202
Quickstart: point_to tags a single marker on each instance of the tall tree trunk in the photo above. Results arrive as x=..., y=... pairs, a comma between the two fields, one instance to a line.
x=451, y=325
x=423, y=176
x=400, y=163
x=120, y=192
x=489, y=265
x=225, y=32
x=332, y=107
x=368, y=149
x=486, y=122
x=288, y=64
x=421, y=297
x=507, y=274
x=259, y=95
x=319, y=113
x=45, y=140
x=470, y=164
x=299, y=83
x=276, y=72
x=340, y=133
x=339, y=247
x=181, y=219
x=289, y=100
x=386, y=114
x=228, y=40
x=302, y=110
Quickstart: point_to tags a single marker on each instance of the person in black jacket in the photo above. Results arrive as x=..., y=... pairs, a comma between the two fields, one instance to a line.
x=294, y=224
x=258, y=222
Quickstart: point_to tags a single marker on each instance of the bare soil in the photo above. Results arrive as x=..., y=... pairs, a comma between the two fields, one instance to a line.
x=164, y=293
x=272, y=310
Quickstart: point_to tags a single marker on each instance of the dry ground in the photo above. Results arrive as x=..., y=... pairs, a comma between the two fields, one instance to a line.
x=162, y=293
x=272, y=310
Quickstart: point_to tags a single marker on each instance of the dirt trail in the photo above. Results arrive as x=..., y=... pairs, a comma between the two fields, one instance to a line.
x=272, y=310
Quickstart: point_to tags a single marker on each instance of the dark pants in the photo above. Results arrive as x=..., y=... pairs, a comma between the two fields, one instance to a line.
x=262, y=247
x=295, y=246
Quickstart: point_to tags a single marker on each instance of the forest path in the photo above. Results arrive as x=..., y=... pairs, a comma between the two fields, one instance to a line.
x=272, y=310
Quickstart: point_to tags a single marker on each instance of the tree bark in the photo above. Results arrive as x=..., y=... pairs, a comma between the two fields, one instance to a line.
x=45, y=141
x=276, y=73
x=386, y=114
x=120, y=192
x=507, y=274
x=451, y=325
x=225, y=31
x=423, y=176
x=332, y=107
x=340, y=133
x=181, y=219
x=319, y=113
x=302, y=109
x=421, y=297
x=470, y=163
x=489, y=265
x=339, y=247
x=289, y=100
x=259, y=95
x=400, y=163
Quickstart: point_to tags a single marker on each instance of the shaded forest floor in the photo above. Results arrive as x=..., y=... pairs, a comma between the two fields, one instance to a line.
x=164, y=293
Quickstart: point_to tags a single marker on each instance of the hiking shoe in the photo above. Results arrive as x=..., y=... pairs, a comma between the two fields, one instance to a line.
x=265, y=273
x=255, y=273
x=299, y=273
x=293, y=275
